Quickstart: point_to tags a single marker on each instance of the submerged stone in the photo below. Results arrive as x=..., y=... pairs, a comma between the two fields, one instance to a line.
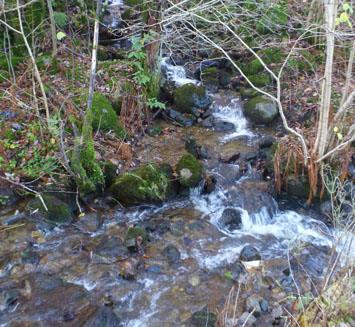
x=103, y=317
x=172, y=254
x=261, y=110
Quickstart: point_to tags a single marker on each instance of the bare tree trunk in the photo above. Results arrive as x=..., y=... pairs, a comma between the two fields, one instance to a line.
x=53, y=28
x=330, y=7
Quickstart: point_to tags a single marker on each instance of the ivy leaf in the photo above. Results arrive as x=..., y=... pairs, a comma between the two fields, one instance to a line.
x=61, y=36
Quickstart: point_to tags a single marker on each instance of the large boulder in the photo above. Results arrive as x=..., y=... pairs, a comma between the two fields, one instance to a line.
x=191, y=98
x=261, y=110
x=189, y=170
x=231, y=219
x=249, y=253
x=148, y=184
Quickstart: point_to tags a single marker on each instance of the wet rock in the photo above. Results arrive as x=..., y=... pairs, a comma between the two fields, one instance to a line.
x=103, y=317
x=8, y=298
x=266, y=141
x=89, y=223
x=208, y=122
x=209, y=184
x=261, y=110
x=237, y=272
x=148, y=184
x=223, y=126
x=160, y=226
x=154, y=269
x=110, y=249
x=228, y=159
x=57, y=211
x=179, y=117
x=129, y=268
x=189, y=170
x=136, y=238
x=249, y=253
x=231, y=219
x=194, y=280
x=203, y=318
x=246, y=319
x=172, y=254
x=198, y=151
x=30, y=257
x=253, y=305
x=264, y=305
x=7, y=197
x=190, y=96
x=277, y=312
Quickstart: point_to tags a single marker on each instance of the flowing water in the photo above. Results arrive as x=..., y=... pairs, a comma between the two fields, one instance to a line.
x=64, y=276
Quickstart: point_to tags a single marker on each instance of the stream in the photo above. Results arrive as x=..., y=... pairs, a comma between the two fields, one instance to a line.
x=72, y=276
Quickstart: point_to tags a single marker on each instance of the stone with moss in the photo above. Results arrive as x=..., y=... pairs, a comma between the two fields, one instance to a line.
x=189, y=97
x=247, y=93
x=57, y=212
x=132, y=236
x=104, y=116
x=210, y=78
x=261, y=110
x=147, y=184
x=189, y=170
x=260, y=80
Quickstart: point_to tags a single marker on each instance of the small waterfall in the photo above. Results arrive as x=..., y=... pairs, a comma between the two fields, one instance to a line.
x=232, y=113
x=176, y=74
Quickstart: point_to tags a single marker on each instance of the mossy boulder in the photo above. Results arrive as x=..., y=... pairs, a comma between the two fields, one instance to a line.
x=189, y=97
x=260, y=80
x=147, y=184
x=247, y=93
x=189, y=170
x=261, y=110
x=210, y=78
x=105, y=117
x=58, y=212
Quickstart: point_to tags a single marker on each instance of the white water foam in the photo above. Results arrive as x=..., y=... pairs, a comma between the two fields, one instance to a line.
x=177, y=74
x=233, y=113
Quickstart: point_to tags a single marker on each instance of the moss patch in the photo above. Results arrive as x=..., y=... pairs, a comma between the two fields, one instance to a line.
x=260, y=80
x=189, y=170
x=58, y=212
x=147, y=184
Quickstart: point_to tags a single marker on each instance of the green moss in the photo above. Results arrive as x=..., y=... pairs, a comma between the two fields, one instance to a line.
x=260, y=110
x=247, y=93
x=4, y=76
x=15, y=61
x=271, y=55
x=252, y=67
x=48, y=63
x=260, y=80
x=189, y=170
x=58, y=212
x=188, y=96
x=134, y=232
x=104, y=116
x=147, y=184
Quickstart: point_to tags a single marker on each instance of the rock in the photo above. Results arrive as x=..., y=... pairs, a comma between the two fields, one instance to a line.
x=189, y=170
x=253, y=304
x=228, y=159
x=154, y=269
x=266, y=141
x=264, y=305
x=231, y=219
x=110, y=249
x=190, y=96
x=89, y=223
x=58, y=212
x=237, y=272
x=210, y=78
x=8, y=298
x=30, y=257
x=203, y=318
x=209, y=184
x=247, y=93
x=7, y=197
x=104, y=116
x=148, y=184
x=136, y=238
x=103, y=317
x=208, y=122
x=129, y=268
x=179, y=117
x=246, y=319
x=172, y=254
x=194, y=280
x=110, y=173
x=261, y=110
x=298, y=187
x=249, y=253
x=277, y=312
x=198, y=151
x=223, y=126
